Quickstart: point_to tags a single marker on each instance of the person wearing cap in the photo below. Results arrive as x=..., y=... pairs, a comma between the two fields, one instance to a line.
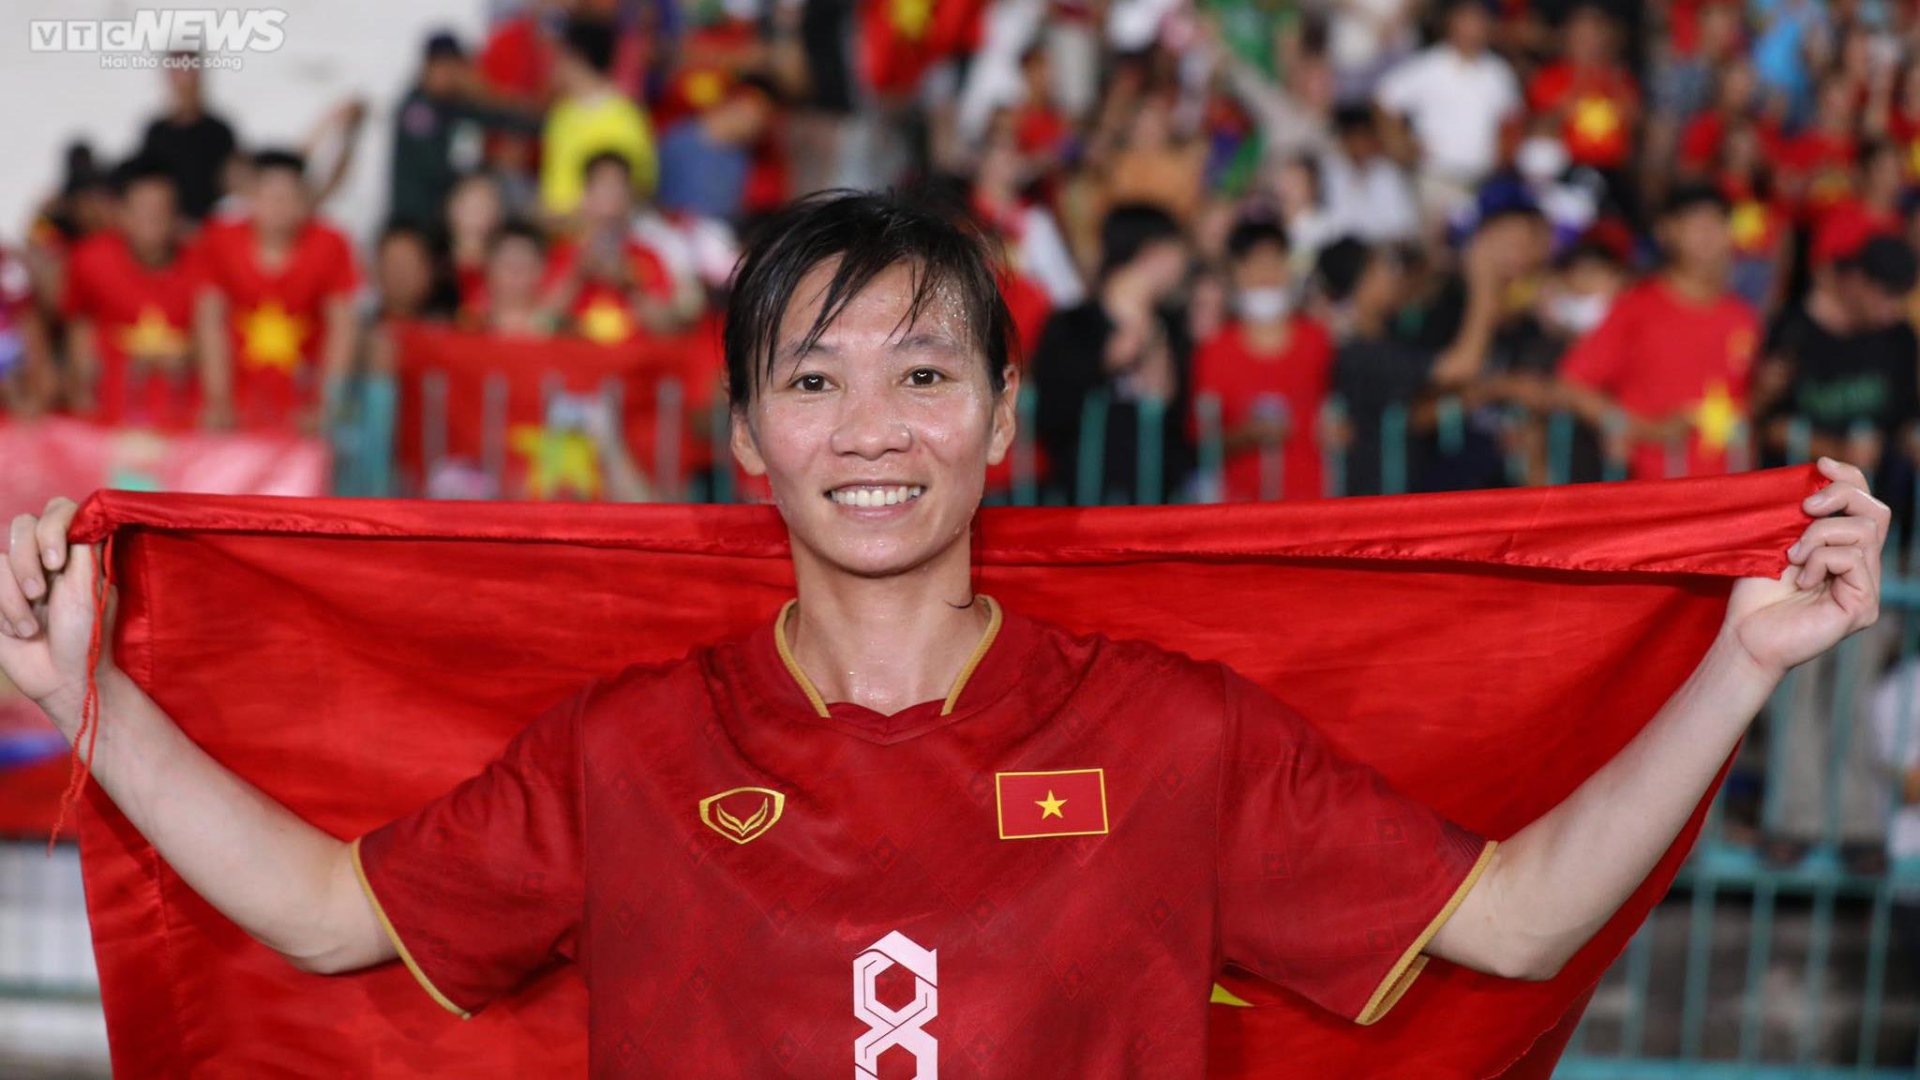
x=1664, y=377
x=436, y=132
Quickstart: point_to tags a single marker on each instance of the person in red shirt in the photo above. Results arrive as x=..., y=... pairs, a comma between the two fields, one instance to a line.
x=129, y=308
x=1736, y=96
x=509, y=303
x=274, y=319
x=474, y=215
x=1268, y=369
x=898, y=821
x=613, y=288
x=1665, y=375
x=1593, y=95
x=1816, y=166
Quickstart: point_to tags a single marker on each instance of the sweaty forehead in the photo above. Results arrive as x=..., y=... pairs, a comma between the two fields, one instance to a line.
x=885, y=305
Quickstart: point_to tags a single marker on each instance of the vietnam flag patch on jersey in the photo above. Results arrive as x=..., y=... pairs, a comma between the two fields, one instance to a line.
x=1065, y=802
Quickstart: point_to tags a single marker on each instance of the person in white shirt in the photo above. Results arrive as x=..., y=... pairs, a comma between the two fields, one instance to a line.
x=1367, y=192
x=1454, y=99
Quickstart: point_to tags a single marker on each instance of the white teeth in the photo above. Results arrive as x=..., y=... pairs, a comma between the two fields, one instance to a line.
x=875, y=496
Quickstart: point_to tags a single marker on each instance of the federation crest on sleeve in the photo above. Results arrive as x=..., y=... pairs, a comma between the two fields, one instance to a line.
x=743, y=813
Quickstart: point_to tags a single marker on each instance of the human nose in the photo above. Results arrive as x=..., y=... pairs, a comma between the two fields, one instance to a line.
x=869, y=427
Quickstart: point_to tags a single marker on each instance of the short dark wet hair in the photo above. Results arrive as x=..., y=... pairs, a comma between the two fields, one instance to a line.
x=865, y=233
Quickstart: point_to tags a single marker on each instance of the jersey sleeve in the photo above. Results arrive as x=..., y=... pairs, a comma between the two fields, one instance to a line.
x=483, y=888
x=1331, y=881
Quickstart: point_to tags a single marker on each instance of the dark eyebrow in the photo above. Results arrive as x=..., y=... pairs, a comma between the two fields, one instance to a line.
x=801, y=349
x=929, y=340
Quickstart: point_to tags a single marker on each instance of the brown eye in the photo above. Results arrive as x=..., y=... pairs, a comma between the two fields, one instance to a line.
x=811, y=383
x=924, y=376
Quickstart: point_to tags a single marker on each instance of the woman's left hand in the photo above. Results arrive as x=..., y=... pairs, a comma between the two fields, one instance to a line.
x=1831, y=586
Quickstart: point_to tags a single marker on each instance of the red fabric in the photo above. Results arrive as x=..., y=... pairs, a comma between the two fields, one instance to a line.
x=526, y=371
x=518, y=59
x=276, y=317
x=1657, y=354
x=1823, y=166
x=142, y=320
x=1299, y=375
x=1597, y=111
x=900, y=39
x=389, y=650
x=926, y=823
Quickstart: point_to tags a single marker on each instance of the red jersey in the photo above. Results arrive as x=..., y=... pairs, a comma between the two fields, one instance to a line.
x=1247, y=382
x=1038, y=875
x=142, y=320
x=600, y=311
x=276, y=317
x=1596, y=108
x=1700, y=141
x=1824, y=165
x=1658, y=353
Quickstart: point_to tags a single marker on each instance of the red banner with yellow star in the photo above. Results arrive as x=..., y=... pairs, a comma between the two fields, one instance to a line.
x=1486, y=651
x=483, y=416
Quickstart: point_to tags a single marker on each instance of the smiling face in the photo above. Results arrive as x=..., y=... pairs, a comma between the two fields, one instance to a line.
x=876, y=440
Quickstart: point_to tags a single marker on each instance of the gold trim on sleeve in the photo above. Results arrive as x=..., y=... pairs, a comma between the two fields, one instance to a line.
x=1411, y=962
x=399, y=946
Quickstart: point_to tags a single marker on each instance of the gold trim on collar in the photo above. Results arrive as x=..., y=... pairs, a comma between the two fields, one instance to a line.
x=793, y=666
x=979, y=652
x=820, y=705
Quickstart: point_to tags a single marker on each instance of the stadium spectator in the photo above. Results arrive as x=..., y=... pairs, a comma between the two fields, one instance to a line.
x=474, y=214
x=274, y=326
x=1665, y=375
x=612, y=287
x=28, y=378
x=707, y=158
x=193, y=142
x=129, y=310
x=1378, y=370
x=1453, y=98
x=1269, y=370
x=437, y=132
x=1124, y=351
x=509, y=302
x=590, y=117
x=1367, y=193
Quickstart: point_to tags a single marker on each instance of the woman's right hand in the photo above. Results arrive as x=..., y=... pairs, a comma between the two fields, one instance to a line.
x=46, y=613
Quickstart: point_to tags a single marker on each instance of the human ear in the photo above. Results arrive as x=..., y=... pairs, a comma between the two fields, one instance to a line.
x=746, y=450
x=1005, y=410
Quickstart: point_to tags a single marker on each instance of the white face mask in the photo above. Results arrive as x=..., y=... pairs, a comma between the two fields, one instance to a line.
x=1541, y=159
x=1580, y=313
x=1263, y=305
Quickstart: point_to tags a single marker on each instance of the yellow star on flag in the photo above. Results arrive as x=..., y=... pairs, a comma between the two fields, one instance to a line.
x=911, y=17
x=1716, y=417
x=1595, y=118
x=704, y=88
x=270, y=338
x=1749, y=224
x=607, y=321
x=152, y=337
x=558, y=462
x=1050, y=806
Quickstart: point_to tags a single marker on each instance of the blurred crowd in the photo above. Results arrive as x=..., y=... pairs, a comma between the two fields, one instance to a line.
x=1254, y=249
x=1296, y=247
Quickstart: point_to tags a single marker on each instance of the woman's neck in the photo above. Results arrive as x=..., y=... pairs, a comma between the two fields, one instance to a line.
x=885, y=643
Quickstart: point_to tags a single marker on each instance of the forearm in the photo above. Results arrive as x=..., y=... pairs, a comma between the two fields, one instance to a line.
x=210, y=333
x=282, y=880
x=1557, y=881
